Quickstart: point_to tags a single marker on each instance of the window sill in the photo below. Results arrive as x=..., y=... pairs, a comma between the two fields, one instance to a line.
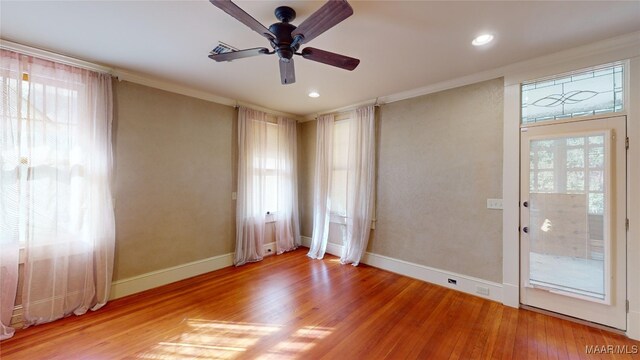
x=342, y=220
x=45, y=251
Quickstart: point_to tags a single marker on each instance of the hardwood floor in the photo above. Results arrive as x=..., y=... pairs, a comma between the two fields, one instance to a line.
x=289, y=306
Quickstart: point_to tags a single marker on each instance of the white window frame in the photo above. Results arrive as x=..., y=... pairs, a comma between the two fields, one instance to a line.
x=334, y=217
x=573, y=116
x=272, y=124
x=26, y=165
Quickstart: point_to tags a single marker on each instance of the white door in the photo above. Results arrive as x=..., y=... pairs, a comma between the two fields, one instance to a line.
x=573, y=219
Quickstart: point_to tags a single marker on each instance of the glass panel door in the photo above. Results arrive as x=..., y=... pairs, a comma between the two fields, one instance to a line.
x=573, y=251
x=567, y=206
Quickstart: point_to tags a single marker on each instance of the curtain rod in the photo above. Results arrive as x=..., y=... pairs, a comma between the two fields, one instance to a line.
x=119, y=73
x=343, y=111
x=268, y=112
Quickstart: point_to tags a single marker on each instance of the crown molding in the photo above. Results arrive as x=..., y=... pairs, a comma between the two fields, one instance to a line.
x=620, y=48
x=614, y=49
x=125, y=75
x=135, y=77
x=52, y=56
x=314, y=116
x=599, y=53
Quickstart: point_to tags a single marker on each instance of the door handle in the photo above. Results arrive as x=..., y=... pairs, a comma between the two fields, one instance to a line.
x=525, y=230
x=525, y=204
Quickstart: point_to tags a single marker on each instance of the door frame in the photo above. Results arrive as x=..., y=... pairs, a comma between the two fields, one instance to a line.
x=558, y=64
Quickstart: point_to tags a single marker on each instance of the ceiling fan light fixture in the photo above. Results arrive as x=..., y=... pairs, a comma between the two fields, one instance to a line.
x=314, y=94
x=483, y=39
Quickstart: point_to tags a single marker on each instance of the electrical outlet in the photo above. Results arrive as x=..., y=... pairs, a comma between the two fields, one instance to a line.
x=482, y=290
x=495, y=204
x=452, y=281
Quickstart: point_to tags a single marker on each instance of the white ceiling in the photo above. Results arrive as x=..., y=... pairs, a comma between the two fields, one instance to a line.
x=401, y=45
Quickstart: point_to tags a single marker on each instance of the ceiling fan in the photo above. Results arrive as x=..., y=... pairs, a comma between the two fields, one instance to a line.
x=286, y=39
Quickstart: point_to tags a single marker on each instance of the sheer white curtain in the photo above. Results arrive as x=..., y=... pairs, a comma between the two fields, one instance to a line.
x=56, y=186
x=10, y=77
x=266, y=166
x=287, y=219
x=322, y=186
x=360, y=184
x=9, y=248
x=252, y=182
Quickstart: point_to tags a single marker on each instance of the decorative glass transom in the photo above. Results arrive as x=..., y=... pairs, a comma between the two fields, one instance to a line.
x=584, y=93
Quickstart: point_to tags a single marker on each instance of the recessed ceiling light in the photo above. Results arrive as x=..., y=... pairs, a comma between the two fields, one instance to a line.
x=482, y=40
x=314, y=94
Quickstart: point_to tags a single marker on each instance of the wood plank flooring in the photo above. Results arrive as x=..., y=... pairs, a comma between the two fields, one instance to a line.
x=291, y=307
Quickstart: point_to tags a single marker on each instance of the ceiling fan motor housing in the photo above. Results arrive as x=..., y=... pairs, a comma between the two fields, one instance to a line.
x=282, y=30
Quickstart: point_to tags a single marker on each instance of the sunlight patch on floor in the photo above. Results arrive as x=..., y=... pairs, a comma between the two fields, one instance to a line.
x=300, y=341
x=211, y=340
x=228, y=340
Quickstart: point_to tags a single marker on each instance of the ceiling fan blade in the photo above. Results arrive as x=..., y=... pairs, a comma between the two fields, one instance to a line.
x=234, y=10
x=287, y=72
x=329, y=15
x=233, y=55
x=329, y=58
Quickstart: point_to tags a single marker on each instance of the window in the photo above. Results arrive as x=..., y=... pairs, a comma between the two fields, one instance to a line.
x=267, y=184
x=271, y=169
x=55, y=195
x=44, y=119
x=344, y=186
x=573, y=165
x=593, y=92
x=271, y=164
x=340, y=167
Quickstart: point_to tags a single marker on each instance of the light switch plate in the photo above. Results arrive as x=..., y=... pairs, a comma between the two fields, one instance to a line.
x=494, y=204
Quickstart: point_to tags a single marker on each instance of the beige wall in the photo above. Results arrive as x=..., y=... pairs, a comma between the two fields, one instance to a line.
x=440, y=158
x=306, y=171
x=173, y=179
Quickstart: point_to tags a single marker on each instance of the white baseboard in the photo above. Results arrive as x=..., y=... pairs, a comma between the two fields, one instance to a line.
x=136, y=284
x=633, y=325
x=157, y=278
x=511, y=295
x=269, y=249
x=305, y=240
x=333, y=249
x=464, y=283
